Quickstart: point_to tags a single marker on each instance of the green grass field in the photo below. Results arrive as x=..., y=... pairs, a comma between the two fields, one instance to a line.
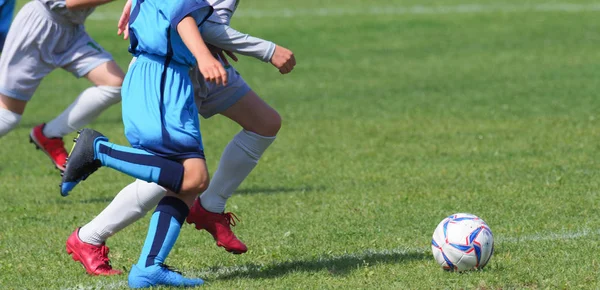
x=398, y=114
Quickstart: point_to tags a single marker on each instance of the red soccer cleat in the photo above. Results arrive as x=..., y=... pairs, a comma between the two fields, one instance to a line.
x=53, y=147
x=218, y=225
x=93, y=258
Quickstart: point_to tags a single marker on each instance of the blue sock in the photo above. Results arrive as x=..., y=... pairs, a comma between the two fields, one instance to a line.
x=163, y=231
x=141, y=164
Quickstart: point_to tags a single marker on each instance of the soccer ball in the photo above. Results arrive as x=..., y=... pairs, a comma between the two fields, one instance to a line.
x=462, y=242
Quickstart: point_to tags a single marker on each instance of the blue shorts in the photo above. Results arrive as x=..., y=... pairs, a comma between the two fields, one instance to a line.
x=159, y=112
x=7, y=7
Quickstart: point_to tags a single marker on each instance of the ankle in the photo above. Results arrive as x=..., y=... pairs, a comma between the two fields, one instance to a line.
x=213, y=204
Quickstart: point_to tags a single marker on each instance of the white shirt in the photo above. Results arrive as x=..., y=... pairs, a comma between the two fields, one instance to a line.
x=224, y=10
x=217, y=32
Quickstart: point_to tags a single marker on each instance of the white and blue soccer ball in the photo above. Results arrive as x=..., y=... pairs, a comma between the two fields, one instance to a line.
x=462, y=242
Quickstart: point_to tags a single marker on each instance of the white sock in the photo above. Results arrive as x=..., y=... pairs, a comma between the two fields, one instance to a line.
x=88, y=105
x=8, y=121
x=239, y=158
x=130, y=205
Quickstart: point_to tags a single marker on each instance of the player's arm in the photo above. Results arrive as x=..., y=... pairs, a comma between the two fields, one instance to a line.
x=211, y=68
x=225, y=37
x=82, y=4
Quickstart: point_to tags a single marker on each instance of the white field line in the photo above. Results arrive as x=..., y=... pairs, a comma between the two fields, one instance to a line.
x=102, y=285
x=224, y=271
x=397, y=10
x=549, y=236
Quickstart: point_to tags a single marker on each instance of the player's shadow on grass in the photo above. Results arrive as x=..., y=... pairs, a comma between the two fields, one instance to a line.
x=105, y=200
x=256, y=190
x=108, y=199
x=335, y=265
x=104, y=120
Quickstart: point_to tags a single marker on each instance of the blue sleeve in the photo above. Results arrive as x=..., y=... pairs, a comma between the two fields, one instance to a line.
x=175, y=11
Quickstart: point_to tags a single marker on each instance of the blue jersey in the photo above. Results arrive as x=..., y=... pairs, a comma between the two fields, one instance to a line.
x=7, y=8
x=153, y=27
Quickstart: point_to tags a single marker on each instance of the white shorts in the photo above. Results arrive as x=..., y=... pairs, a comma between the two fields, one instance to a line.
x=39, y=41
x=212, y=99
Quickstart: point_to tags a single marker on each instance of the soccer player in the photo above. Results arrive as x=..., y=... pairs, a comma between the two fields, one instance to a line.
x=236, y=101
x=46, y=35
x=161, y=123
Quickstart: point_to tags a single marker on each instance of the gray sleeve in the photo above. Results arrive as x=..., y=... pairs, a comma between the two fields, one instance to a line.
x=225, y=37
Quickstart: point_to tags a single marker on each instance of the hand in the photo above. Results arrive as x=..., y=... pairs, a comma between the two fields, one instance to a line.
x=283, y=59
x=123, y=25
x=212, y=70
x=209, y=66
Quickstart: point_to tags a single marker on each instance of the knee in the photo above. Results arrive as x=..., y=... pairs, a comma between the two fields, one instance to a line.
x=115, y=81
x=107, y=74
x=274, y=124
x=8, y=121
x=194, y=185
x=269, y=126
x=111, y=94
x=202, y=184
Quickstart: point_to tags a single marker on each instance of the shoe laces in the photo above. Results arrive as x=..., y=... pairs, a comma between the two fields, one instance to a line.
x=231, y=218
x=169, y=268
x=102, y=253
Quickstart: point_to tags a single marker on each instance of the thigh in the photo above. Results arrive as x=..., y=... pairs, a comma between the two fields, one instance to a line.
x=236, y=101
x=254, y=115
x=106, y=74
x=13, y=105
x=161, y=120
x=26, y=57
x=141, y=110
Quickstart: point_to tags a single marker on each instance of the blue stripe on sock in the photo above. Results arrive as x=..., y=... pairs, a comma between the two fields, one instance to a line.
x=149, y=240
x=169, y=242
x=141, y=164
x=161, y=233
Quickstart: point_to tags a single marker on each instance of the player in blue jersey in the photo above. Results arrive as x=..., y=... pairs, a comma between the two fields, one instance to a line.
x=237, y=101
x=7, y=7
x=161, y=123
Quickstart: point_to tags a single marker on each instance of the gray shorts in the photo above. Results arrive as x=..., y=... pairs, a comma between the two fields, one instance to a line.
x=40, y=41
x=212, y=99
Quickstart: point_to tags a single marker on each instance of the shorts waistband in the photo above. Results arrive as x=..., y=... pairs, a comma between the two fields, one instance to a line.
x=162, y=59
x=44, y=9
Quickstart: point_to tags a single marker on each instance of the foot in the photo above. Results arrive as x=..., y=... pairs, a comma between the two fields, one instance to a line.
x=93, y=258
x=81, y=161
x=53, y=147
x=156, y=275
x=218, y=225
